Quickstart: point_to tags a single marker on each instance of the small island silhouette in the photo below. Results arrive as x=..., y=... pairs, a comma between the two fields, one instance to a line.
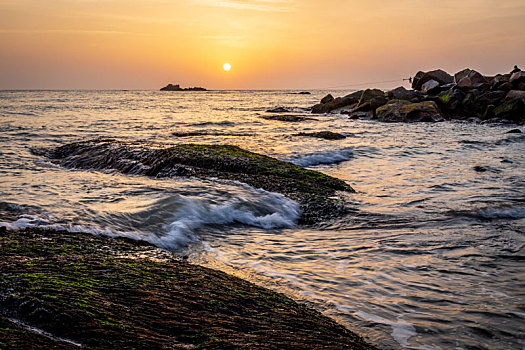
x=176, y=87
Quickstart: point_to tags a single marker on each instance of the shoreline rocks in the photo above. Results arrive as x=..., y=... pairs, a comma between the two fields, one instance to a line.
x=467, y=95
x=61, y=290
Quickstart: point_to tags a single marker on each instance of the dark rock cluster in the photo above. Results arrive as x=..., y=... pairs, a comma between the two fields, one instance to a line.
x=436, y=96
x=176, y=87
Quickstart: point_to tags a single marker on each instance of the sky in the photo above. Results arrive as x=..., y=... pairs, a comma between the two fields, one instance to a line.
x=270, y=44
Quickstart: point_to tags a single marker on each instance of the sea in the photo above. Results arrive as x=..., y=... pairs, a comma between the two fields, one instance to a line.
x=431, y=254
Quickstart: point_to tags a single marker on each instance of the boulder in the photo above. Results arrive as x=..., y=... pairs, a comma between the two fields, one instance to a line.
x=451, y=100
x=491, y=97
x=327, y=98
x=472, y=75
x=515, y=94
x=465, y=83
x=438, y=75
x=517, y=77
x=405, y=111
x=504, y=87
x=513, y=110
x=400, y=93
x=429, y=87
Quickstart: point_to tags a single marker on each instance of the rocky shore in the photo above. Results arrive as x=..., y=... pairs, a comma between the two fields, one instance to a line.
x=61, y=290
x=314, y=191
x=437, y=96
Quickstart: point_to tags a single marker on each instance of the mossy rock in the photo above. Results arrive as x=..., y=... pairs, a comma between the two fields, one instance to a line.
x=312, y=189
x=106, y=293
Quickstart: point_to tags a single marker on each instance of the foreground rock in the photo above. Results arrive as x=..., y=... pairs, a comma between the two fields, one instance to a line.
x=176, y=87
x=101, y=293
x=313, y=190
x=468, y=95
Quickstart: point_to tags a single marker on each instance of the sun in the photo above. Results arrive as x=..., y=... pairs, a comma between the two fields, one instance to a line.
x=227, y=66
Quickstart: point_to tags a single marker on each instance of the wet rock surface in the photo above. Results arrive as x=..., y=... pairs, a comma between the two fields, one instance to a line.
x=83, y=291
x=313, y=190
x=287, y=117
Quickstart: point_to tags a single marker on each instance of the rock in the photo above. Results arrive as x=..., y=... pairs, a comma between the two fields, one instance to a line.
x=401, y=93
x=514, y=131
x=313, y=190
x=451, y=100
x=465, y=83
x=480, y=169
x=517, y=77
x=327, y=135
x=176, y=87
x=512, y=110
x=491, y=97
x=304, y=93
x=279, y=110
x=515, y=94
x=472, y=75
x=107, y=293
x=287, y=117
x=504, y=87
x=438, y=75
x=404, y=111
x=429, y=87
x=327, y=98
x=348, y=101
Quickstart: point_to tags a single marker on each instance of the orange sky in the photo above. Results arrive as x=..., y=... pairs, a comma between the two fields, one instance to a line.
x=271, y=44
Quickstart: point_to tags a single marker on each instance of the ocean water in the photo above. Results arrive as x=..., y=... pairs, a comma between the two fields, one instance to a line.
x=430, y=256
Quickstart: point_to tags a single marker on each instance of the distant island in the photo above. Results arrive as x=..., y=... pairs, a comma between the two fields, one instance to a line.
x=171, y=87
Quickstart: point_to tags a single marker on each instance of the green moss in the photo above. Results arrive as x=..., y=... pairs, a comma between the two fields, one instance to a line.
x=445, y=98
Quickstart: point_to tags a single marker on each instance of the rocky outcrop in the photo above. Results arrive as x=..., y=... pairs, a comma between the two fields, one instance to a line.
x=468, y=95
x=313, y=190
x=61, y=290
x=405, y=111
x=176, y=87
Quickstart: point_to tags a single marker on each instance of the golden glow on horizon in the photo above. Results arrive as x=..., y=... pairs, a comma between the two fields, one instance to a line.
x=227, y=66
x=301, y=44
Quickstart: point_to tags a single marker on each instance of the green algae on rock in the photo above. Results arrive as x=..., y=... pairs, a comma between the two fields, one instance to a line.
x=105, y=293
x=312, y=189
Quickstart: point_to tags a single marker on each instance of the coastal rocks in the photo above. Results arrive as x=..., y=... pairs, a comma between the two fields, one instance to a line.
x=314, y=191
x=468, y=96
x=327, y=135
x=61, y=290
x=176, y=87
x=438, y=75
x=405, y=111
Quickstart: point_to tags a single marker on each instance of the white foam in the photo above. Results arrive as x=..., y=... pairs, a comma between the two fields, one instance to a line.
x=188, y=214
x=323, y=157
x=402, y=331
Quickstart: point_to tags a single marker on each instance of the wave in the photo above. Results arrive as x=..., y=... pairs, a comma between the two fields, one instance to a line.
x=174, y=221
x=322, y=157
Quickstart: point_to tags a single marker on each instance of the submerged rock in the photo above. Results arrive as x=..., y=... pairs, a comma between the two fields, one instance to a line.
x=287, y=117
x=404, y=111
x=93, y=292
x=279, y=110
x=313, y=190
x=327, y=135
